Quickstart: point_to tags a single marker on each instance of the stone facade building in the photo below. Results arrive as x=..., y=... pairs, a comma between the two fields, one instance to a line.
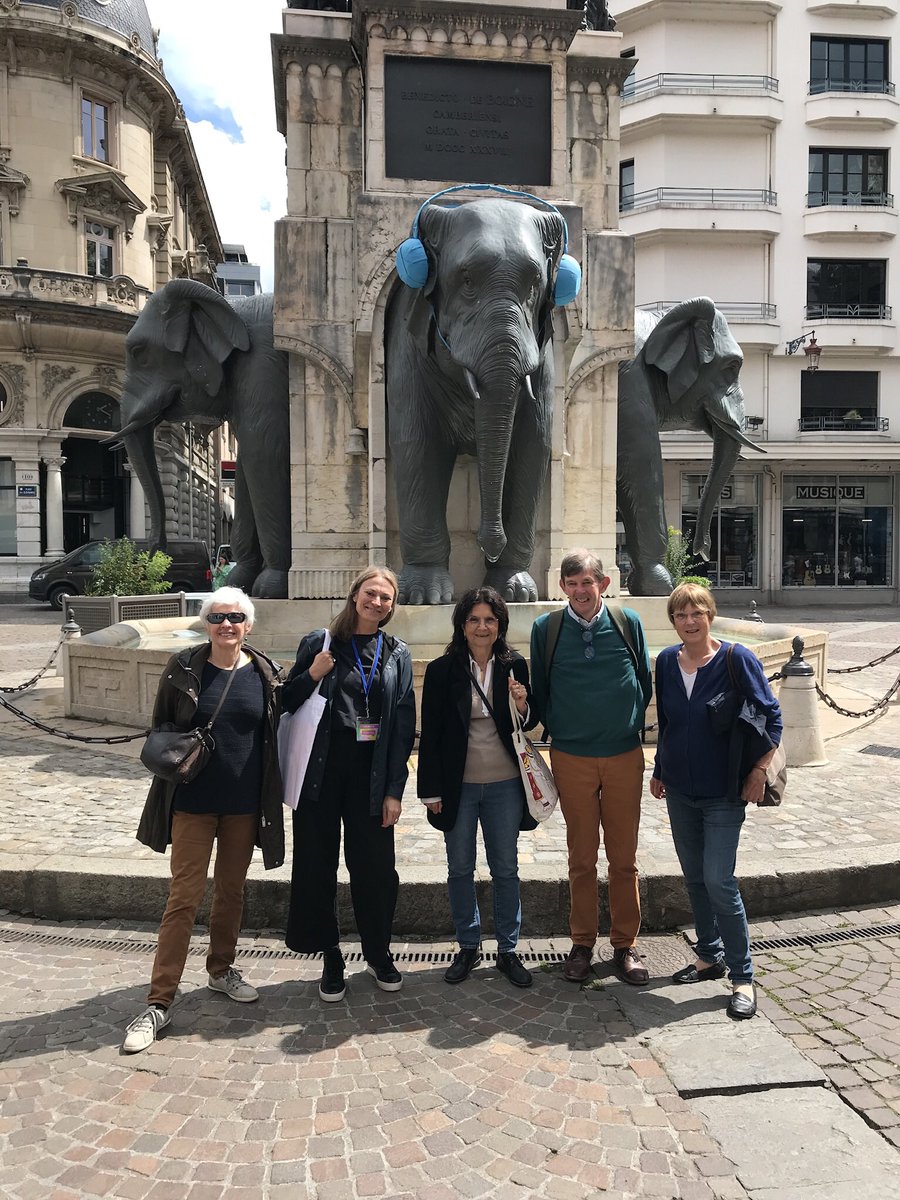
x=101, y=202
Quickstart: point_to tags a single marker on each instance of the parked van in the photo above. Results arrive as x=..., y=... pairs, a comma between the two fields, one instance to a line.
x=190, y=570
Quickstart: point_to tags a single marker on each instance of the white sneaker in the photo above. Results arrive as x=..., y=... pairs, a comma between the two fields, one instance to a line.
x=143, y=1030
x=233, y=985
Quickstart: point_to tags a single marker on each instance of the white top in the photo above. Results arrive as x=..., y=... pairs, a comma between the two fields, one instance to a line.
x=688, y=680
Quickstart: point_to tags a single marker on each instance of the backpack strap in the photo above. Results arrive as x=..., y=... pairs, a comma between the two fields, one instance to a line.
x=620, y=621
x=554, y=625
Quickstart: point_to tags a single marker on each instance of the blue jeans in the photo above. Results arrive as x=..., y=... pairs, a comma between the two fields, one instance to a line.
x=706, y=831
x=499, y=808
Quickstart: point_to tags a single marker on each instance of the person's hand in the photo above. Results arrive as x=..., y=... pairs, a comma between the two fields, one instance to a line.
x=657, y=788
x=321, y=665
x=390, y=812
x=434, y=806
x=519, y=694
x=754, y=786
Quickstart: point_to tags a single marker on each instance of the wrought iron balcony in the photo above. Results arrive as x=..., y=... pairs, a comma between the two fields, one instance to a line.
x=732, y=310
x=674, y=197
x=848, y=312
x=844, y=424
x=872, y=87
x=636, y=89
x=850, y=199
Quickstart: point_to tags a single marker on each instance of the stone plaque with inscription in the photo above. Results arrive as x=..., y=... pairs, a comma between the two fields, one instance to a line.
x=475, y=122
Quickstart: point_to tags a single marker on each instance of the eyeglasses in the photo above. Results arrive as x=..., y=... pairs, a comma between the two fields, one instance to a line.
x=473, y=621
x=587, y=636
x=235, y=618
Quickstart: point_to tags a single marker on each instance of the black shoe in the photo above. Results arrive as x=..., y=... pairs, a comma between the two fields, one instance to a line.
x=331, y=985
x=741, y=1007
x=691, y=975
x=511, y=966
x=463, y=964
x=386, y=975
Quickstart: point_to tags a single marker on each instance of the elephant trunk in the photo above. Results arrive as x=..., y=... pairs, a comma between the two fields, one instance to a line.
x=495, y=413
x=138, y=443
x=726, y=450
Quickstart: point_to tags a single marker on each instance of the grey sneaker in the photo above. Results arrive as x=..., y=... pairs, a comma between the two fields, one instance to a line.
x=143, y=1030
x=232, y=983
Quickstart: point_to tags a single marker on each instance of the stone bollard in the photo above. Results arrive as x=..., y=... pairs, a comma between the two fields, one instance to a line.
x=753, y=615
x=70, y=630
x=803, y=746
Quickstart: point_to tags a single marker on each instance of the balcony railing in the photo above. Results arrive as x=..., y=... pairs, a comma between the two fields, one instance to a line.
x=700, y=198
x=872, y=87
x=850, y=199
x=635, y=89
x=848, y=312
x=22, y=282
x=844, y=424
x=732, y=310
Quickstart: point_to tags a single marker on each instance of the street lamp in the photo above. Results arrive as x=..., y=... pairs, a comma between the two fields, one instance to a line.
x=813, y=351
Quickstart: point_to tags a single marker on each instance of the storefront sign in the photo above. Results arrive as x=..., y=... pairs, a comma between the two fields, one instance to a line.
x=828, y=491
x=27, y=491
x=727, y=492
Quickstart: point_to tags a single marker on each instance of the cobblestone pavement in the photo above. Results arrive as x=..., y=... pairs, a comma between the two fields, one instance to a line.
x=840, y=1005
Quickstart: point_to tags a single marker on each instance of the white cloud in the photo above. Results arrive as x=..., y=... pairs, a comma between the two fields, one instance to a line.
x=217, y=55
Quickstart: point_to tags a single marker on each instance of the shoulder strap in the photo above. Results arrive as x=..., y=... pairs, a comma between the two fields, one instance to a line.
x=730, y=665
x=622, y=624
x=554, y=626
x=225, y=689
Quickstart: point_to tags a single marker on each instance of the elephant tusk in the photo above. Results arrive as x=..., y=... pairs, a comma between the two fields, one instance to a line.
x=473, y=384
x=528, y=388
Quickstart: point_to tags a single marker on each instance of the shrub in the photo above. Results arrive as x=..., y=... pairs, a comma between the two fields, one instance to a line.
x=680, y=558
x=701, y=579
x=125, y=571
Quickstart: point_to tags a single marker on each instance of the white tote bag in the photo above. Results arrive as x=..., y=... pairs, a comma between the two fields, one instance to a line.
x=541, y=792
x=296, y=734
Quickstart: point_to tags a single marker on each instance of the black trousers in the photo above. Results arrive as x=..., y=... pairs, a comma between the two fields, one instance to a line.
x=368, y=853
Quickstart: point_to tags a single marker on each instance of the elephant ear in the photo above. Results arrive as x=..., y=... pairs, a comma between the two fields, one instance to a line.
x=434, y=229
x=682, y=343
x=552, y=229
x=202, y=326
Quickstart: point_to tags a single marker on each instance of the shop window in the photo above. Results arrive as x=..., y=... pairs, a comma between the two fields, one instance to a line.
x=846, y=289
x=8, y=542
x=734, y=530
x=854, y=177
x=839, y=401
x=95, y=129
x=100, y=247
x=838, y=531
x=626, y=185
x=848, y=65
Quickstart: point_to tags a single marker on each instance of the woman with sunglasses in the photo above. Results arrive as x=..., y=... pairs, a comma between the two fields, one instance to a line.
x=468, y=772
x=235, y=801
x=356, y=775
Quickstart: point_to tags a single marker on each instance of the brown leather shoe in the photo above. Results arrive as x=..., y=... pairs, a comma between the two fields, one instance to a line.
x=577, y=967
x=629, y=967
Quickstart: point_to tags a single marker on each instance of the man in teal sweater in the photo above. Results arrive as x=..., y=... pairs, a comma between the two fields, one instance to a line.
x=590, y=675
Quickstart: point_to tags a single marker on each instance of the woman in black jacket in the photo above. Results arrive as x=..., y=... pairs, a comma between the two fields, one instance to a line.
x=468, y=772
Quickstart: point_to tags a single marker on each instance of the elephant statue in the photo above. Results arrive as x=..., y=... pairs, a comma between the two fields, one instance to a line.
x=194, y=356
x=684, y=375
x=469, y=361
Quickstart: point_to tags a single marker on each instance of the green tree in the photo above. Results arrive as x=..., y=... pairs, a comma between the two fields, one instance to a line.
x=680, y=559
x=125, y=571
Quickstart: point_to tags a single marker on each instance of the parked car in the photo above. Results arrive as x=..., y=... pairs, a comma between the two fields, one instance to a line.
x=190, y=570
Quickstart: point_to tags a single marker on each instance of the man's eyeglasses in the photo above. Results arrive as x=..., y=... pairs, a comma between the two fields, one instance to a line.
x=235, y=618
x=587, y=636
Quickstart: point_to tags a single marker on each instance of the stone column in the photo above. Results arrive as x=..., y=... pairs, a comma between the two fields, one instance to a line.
x=137, y=512
x=54, y=510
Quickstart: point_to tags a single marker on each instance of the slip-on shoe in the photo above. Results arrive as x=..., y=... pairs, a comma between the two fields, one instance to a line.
x=690, y=974
x=741, y=1006
x=465, y=961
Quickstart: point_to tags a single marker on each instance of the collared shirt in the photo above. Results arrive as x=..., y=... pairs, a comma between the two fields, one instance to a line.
x=581, y=621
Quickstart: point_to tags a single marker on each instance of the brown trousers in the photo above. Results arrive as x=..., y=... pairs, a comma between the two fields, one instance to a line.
x=595, y=794
x=193, y=835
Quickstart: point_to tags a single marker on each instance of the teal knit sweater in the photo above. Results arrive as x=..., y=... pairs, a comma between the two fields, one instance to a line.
x=594, y=707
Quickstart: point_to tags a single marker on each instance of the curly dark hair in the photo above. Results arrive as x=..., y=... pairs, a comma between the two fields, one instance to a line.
x=495, y=602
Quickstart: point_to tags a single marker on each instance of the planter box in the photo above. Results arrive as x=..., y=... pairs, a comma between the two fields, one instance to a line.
x=97, y=612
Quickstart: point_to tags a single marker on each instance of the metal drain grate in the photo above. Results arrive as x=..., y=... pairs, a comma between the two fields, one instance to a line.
x=831, y=938
x=133, y=946
x=882, y=751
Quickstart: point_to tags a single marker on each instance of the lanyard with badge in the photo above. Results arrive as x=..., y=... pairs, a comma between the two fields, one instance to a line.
x=367, y=730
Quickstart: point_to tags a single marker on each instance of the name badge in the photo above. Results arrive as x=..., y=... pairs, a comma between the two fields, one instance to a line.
x=366, y=731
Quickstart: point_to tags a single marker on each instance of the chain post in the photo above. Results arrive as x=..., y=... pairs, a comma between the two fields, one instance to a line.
x=803, y=745
x=69, y=632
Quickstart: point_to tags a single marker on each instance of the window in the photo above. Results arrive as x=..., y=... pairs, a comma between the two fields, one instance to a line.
x=848, y=65
x=626, y=185
x=95, y=129
x=839, y=400
x=848, y=288
x=838, y=531
x=100, y=241
x=240, y=287
x=847, y=177
x=734, y=530
x=8, y=542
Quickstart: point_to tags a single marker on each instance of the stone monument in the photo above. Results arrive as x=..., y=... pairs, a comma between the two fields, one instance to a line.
x=382, y=107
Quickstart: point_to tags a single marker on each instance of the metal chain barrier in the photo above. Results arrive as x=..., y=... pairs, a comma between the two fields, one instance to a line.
x=879, y=706
x=876, y=662
x=64, y=733
x=23, y=687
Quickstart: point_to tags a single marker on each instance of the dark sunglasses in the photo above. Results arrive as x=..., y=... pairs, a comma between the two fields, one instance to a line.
x=236, y=618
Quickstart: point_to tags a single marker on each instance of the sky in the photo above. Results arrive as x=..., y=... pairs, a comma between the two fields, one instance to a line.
x=217, y=57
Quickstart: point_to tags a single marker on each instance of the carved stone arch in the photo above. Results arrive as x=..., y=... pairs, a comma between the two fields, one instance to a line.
x=12, y=380
x=62, y=386
x=459, y=37
x=419, y=34
x=372, y=289
x=397, y=33
x=337, y=372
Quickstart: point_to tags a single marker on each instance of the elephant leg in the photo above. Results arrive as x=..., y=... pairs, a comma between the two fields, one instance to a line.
x=639, y=492
x=422, y=471
x=267, y=472
x=244, y=542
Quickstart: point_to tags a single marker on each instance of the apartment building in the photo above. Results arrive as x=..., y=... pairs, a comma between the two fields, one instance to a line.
x=758, y=167
x=101, y=202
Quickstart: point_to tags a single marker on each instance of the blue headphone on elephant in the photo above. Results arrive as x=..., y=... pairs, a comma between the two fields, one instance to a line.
x=412, y=257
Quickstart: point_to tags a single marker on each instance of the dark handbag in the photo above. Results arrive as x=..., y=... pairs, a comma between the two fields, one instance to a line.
x=179, y=755
x=776, y=771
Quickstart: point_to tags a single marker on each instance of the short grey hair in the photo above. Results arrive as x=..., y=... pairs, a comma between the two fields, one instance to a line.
x=582, y=562
x=238, y=600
